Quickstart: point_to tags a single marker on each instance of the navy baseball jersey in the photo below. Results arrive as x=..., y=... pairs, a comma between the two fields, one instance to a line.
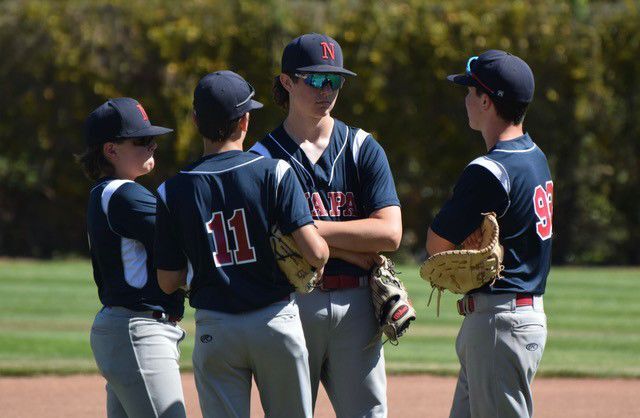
x=350, y=180
x=512, y=180
x=215, y=220
x=120, y=220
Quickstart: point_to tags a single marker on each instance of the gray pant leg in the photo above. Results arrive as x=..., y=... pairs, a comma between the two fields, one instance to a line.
x=221, y=365
x=499, y=351
x=139, y=359
x=315, y=308
x=338, y=325
x=460, y=407
x=268, y=343
x=281, y=365
x=355, y=375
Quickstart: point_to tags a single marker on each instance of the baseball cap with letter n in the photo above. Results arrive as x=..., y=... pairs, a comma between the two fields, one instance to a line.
x=119, y=118
x=499, y=74
x=313, y=53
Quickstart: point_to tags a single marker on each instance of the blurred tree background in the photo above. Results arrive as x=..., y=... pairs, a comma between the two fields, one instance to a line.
x=61, y=59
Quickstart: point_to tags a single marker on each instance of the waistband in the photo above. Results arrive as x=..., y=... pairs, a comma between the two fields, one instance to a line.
x=130, y=313
x=342, y=281
x=498, y=302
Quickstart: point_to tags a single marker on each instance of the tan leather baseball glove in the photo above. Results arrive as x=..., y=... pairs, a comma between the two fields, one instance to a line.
x=299, y=272
x=390, y=301
x=461, y=271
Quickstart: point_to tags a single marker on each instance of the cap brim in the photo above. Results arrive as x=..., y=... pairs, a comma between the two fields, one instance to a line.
x=461, y=79
x=150, y=131
x=254, y=104
x=326, y=69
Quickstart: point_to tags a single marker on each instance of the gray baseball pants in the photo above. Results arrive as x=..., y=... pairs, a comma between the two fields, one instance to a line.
x=338, y=326
x=267, y=344
x=138, y=356
x=499, y=346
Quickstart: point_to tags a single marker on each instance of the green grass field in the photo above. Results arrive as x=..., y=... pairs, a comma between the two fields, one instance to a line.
x=47, y=309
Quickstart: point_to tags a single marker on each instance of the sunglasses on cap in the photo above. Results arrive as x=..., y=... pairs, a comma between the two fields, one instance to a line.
x=475, y=77
x=318, y=80
x=251, y=94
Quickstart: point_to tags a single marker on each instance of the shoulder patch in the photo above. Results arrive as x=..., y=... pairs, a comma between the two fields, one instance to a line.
x=260, y=149
x=108, y=191
x=496, y=169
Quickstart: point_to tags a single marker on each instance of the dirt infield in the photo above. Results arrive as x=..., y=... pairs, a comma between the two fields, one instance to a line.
x=409, y=396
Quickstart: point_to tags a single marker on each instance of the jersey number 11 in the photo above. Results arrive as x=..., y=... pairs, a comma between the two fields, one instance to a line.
x=244, y=252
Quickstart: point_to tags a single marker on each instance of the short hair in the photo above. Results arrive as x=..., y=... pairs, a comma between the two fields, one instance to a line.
x=508, y=110
x=94, y=163
x=280, y=94
x=217, y=132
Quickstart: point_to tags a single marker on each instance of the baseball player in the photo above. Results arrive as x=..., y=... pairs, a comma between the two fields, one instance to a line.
x=504, y=331
x=135, y=335
x=213, y=235
x=350, y=190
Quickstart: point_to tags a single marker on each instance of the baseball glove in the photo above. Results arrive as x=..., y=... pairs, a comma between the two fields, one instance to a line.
x=390, y=302
x=298, y=271
x=461, y=271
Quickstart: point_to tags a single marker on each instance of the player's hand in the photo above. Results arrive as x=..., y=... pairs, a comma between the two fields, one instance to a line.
x=473, y=241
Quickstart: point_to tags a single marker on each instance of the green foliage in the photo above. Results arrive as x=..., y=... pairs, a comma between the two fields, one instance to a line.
x=48, y=308
x=62, y=59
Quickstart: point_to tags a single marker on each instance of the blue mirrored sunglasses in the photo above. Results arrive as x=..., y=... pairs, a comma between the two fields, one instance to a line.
x=318, y=80
x=475, y=77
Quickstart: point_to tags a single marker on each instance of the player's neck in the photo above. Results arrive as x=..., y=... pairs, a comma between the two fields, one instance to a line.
x=497, y=132
x=211, y=147
x=303, y=128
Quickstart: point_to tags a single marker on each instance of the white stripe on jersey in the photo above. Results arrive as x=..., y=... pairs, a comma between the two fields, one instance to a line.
x=260, y=149
x=293, y=158
x=346, y=139
x=134, y=262
x=281, y=168
x=358, y=140
x=225, y=170
x=162, y=192
x=108, y=191
x=189, y=272
x=515, y=150
x=132, y=252
x=499, y=172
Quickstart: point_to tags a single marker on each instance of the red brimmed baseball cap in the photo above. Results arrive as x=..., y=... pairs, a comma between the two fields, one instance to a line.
x=119, y=118
x=314, y=53
x=500, y=74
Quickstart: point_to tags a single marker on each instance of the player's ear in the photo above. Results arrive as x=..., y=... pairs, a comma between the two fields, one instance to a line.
x=194, y=118
x=109, y=150
x=286, y=81
x=243, y=123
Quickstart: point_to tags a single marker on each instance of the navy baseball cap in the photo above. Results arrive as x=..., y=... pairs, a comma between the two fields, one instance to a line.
x=223, y=96
x=119, y=118
x=313, y=53
x=500, y=74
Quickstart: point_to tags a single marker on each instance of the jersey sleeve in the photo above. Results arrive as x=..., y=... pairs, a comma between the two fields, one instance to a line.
x=377, y=185
x=169, y=254
x=131, y=212
x=292, y=209
x=477, y=191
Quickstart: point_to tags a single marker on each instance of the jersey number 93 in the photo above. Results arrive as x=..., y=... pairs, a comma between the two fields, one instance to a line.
x=543, y=207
